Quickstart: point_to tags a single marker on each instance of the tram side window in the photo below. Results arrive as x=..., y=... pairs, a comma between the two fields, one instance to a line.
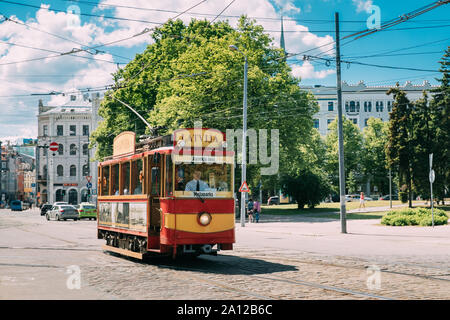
x=105, y=180
x=137, y=177
x=169, y=178
x=114, y=179
x=156, y=180
x=125, y=187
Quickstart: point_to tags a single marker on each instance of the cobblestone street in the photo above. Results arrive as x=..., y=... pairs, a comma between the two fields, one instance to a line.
x=270, y=260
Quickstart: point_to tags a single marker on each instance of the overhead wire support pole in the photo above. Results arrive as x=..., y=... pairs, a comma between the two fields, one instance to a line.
x=340, y=131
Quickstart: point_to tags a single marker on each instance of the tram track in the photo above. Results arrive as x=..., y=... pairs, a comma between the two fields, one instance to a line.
x=251, y=273
x=382, y=270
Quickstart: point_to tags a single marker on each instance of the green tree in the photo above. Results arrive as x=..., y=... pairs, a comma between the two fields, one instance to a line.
x=398, y=149
x=421, y=145
x=353, y=141
x=307, y=188
x=375, y=166
x=189, y=73
x=440, y=122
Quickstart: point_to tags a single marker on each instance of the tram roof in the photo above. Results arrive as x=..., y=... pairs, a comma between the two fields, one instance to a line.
x=163, y=150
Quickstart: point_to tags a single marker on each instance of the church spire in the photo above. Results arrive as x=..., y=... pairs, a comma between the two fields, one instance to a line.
x=282, y=45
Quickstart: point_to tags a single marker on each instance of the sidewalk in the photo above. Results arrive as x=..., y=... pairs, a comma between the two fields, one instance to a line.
x=379, y=209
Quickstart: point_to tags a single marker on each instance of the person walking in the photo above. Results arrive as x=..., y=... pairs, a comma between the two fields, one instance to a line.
x=250, y=208
x=361, y=200
x=257, y=209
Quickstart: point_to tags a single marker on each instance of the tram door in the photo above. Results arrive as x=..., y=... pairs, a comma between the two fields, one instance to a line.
x=155, y=169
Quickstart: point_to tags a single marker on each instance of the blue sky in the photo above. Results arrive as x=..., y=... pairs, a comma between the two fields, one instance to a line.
x=307, y=24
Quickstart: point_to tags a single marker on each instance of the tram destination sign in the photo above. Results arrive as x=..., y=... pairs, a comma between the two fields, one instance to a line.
x=198, y=138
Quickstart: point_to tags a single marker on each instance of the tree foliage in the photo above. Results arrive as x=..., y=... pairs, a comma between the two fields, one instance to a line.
x=353, y=141
x=190, y=74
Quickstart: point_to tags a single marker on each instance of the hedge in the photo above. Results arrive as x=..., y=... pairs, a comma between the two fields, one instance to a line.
x=414, y=217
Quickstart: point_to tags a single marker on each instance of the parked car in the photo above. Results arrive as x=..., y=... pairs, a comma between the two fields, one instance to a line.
x=62, y=212
x=356, y=197
x=273, y=200
x=87, y=210
x=45, y=208
x=16, y=205
x=386, y=197
x=60, y=203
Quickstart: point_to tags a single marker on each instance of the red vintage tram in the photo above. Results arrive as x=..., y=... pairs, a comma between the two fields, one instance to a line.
x=169, y=195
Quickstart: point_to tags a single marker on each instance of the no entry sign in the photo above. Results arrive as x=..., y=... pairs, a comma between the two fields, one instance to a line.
x=53, y=146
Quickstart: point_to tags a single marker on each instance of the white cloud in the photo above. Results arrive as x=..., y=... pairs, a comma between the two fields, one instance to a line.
x=362, y=5
x=19, y=113
x=306, y=71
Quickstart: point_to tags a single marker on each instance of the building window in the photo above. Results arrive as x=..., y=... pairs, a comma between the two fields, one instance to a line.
x=85, y=149
x=369, y=106
x=59, y=130
x=330, y=106
x=60, y=149
x=329, y=121
x=85, y=130
x=352, y=106
x=60, y=171
x=355, y=121
x=365, y=122
x=346, y=106
x=73, y=130
x=357, y=106
x=389, y=106
x=316, y=123
x=73, y=149
x=45, y=130
x=73, y=170
x=381, y=106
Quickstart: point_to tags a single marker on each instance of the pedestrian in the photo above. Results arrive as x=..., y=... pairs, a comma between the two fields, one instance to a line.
x=361, y=200
x=250, y=208
x=257, y=209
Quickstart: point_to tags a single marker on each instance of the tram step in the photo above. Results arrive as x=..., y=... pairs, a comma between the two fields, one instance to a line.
x=125, y=252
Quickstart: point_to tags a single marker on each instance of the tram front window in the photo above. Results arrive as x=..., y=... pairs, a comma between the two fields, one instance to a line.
x=203, y=177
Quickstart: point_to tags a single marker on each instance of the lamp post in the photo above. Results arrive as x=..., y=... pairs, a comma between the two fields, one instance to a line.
x=244, y=135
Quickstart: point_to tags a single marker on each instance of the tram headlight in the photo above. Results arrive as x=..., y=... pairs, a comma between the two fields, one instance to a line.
x=204, y=218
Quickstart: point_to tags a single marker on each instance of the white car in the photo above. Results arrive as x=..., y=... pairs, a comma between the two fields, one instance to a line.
x=60, y=203
x=62, y=212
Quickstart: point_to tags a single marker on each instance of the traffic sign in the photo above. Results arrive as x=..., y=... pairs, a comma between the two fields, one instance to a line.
x=244, y=187
x=89, y=185
x=88, y=178
x=432, y=176
x=54, y=146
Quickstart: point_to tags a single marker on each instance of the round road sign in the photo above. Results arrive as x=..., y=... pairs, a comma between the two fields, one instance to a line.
x=53, y=146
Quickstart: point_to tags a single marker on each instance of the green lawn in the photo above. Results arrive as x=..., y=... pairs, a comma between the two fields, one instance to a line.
x=331, y=210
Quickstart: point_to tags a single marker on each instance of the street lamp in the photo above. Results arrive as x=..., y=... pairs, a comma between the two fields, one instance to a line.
x=244, y=135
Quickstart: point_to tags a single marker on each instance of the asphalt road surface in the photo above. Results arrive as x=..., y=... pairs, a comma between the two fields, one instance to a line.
x=278, y=258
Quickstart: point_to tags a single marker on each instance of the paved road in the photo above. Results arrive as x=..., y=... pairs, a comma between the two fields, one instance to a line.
x=42, y=259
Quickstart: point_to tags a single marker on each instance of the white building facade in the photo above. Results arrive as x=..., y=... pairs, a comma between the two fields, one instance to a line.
x=359, y=102
x=63, y=175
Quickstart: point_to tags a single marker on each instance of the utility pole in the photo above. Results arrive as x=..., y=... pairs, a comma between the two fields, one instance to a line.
x=244, y=135
x=390, y=188
x=340, y=130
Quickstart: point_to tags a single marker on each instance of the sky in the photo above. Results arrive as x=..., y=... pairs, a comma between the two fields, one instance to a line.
x=46, y=28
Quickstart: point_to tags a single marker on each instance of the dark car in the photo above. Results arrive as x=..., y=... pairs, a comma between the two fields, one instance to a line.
x=45, y=208
x=386, y=197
